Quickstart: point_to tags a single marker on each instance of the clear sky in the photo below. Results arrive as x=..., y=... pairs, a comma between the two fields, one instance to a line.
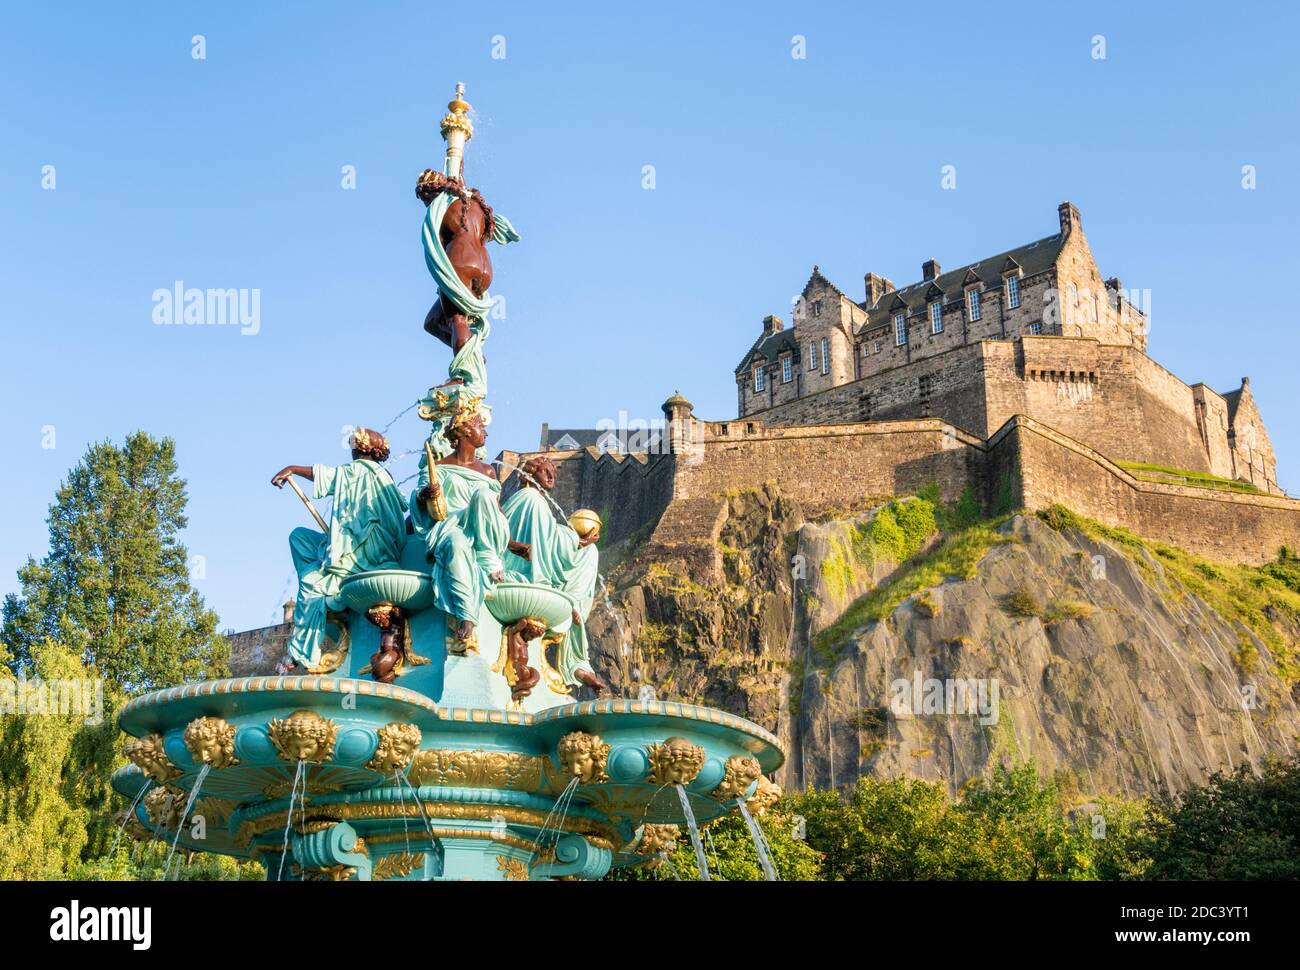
x=227, y=172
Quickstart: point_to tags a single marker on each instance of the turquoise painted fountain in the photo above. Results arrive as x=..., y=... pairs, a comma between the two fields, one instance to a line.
x=425, y=732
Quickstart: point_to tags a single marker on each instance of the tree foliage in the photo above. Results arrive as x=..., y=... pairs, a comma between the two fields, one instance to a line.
x=731, y=855
x=108, y=612
x=115, y=583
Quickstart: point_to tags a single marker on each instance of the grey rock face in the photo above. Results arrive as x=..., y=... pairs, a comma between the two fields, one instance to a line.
x=1059, y=649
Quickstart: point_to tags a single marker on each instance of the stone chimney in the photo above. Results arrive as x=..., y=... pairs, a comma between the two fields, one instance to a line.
x=1069, y=215
x=288, y=611
x=772, y=324
x=930, y=270
x=877, y=286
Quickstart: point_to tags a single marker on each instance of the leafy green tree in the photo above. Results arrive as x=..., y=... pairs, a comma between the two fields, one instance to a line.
x=115, y=583
x=1025, y=832
x=731, y=855
x=54, y=769
x=110, y=607
x=1244, y=825
x=898, y=828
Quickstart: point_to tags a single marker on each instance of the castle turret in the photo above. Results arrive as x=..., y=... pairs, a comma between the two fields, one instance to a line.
x=679, y=415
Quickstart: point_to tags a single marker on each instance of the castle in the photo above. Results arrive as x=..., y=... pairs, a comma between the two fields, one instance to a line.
x=1033, y=331
x=1021, y=379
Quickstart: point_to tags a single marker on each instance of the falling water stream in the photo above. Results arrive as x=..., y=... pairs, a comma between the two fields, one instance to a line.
x=288, y=818
x=760, y=842
x=402, y=780
x=700, y=859
x=559, y=809
x=130, y=813
x=189, y=804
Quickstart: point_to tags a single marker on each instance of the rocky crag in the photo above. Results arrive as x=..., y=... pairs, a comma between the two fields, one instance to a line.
x=912, y=638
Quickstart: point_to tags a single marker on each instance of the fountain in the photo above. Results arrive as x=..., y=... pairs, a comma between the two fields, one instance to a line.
x=425, y=733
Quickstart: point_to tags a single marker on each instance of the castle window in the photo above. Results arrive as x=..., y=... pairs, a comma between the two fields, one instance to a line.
x=787, y=370
x=866, y=350
x=879, y=348
x=760, y=380
x=900, y=329
x=936, y=317
x=812, y=355
x=826, y=356
x=1036, y=327
x=1013, y=292
x=817, y=308
x=973, y=304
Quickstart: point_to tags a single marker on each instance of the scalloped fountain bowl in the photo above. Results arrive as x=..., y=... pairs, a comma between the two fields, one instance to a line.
x=510, y=602
x=345, y=778
x=406, y=588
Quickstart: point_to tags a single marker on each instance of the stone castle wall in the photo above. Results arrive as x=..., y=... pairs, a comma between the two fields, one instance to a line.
x=1112, y=398
x=678, y=499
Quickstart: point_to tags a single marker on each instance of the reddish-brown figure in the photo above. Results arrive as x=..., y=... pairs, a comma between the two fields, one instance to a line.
x=466, y=230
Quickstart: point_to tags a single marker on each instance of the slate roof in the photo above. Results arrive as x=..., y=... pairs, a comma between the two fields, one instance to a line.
x=603, y=439
x=1032, y=258
x=771, y=347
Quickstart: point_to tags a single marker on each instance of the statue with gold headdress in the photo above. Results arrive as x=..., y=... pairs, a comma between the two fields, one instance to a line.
x=457, y=228
x=547, y=550
x=366, y=531
x=455, y=509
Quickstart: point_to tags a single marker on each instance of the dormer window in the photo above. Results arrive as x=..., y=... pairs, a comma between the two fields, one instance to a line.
x=787, y=369
x=900, y=329
x=760, y=380
x=1013, y=292
x=826, y=356
x=812, y=355
x=973, y=304
x=936, y=317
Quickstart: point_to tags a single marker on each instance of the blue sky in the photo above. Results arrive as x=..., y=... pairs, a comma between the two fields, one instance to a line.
x=226, y=172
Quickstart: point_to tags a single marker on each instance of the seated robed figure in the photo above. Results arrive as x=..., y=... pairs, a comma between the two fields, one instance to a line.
x=545, y=549
x=366, y=531
x=455, y=510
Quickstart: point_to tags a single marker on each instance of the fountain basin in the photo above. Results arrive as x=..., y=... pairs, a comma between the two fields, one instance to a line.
x=510, y=602
x=407, y=588
x=431, y=792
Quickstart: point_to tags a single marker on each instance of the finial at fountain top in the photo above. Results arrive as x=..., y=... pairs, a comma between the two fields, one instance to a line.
x=457, y=129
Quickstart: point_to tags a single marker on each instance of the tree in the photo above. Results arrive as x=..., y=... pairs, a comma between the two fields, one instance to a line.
x=109, y=611
x=731, y=855
x=115, y=584
x=1245, y=825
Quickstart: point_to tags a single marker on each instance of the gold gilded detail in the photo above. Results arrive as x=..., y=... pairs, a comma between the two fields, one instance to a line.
x=596, y=833
x=767, y=795
x=211, y=741
x=165, y=805
x=397, y=745
x=740, y=772
x=332, y=660
x=303, y=736
x=397, y=865
x=148, y=755
x=584, y=756
x=675, y=762
x=477, y=769
x=655, y=841
x=515, y=869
